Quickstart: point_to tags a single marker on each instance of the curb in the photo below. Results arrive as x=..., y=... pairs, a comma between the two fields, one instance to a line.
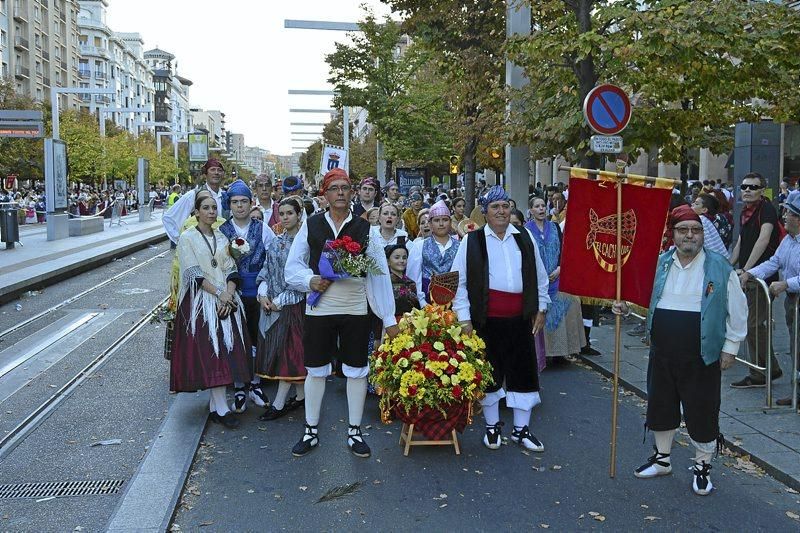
x=15, y=290
x=774, y=472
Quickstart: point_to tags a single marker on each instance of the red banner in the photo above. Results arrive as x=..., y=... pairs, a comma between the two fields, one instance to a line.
x=589, y=252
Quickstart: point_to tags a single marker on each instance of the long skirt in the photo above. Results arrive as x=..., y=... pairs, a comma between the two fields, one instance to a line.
x=569, y=337
x=195, y=366
x=280, y=350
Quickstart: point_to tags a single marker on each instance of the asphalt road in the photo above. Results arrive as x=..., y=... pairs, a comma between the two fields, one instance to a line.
x=247, y=479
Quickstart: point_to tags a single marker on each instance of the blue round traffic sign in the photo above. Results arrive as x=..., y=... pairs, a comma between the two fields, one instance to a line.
x=607, y=109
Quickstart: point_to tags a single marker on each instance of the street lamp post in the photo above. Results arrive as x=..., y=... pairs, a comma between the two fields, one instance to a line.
x=55, y=91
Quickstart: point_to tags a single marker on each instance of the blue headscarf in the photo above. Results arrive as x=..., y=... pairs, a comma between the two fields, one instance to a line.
x=291, y=184
x=495, y=194
x=237, y=188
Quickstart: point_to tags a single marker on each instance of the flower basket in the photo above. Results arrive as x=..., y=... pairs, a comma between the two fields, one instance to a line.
x=435, y=424
x=431, y=372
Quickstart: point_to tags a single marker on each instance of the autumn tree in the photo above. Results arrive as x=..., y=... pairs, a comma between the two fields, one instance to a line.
x=22, y=157
x=465, y=38
x=694, y=68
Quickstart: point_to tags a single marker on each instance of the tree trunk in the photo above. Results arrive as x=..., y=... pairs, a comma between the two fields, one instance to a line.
x=587, y=77
x=389, y=170
x=470, y=152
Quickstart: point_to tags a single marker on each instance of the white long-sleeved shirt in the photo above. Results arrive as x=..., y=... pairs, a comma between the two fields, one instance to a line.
x=344, y=296
x=683, y=291
x=787, y=260
x=505, y=269
x=176, y=215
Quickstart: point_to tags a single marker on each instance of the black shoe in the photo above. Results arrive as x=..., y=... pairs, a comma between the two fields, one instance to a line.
x=638, y=331
x=355, y=440
x=293, y=403
x=749, y=382
x=239, y=399
x=257, y=395
x=588, y=350
x=786, y=401
x=229, y=420
x=492, y=439
x=271, y=413
x=526, y=439
x=309, y=441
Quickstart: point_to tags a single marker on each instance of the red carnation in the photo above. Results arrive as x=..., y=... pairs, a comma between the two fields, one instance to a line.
x=412, y=390
x=239, y=241
x=450, y=369
x=428, y=374
x=352, y=247
x=347, y=239
x=457, y=392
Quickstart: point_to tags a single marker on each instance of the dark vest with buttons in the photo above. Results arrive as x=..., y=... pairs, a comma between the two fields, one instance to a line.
x=319, y=231
x=478, y=275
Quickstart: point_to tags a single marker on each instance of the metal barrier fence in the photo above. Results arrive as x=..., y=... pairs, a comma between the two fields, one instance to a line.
x=760, y=286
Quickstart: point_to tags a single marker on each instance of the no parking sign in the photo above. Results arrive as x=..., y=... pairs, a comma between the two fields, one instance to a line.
x=607, y=109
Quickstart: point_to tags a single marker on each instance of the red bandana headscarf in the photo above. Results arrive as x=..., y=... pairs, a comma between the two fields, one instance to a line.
x=212, y=163
x=682, y=213
x=333, y=175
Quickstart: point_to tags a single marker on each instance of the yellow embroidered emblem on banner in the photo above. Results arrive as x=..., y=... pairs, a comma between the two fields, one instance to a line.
x=602, y=238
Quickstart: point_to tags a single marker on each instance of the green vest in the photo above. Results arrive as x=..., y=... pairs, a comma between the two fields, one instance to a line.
x=714, y=304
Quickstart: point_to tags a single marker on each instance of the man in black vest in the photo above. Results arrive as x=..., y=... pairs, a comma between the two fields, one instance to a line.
x=338, y=324
x=502, y=290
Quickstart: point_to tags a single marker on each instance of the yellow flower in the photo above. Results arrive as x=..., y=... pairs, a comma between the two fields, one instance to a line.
x=438, y=346
x=421, y=324
x=445, y=379
x=454, y=379
x=403, y=363
x=455, y=332
x=416, y=356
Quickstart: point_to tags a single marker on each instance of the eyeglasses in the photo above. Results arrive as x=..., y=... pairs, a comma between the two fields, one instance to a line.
x=339, y=188
x=748, y=187
x=683, y=231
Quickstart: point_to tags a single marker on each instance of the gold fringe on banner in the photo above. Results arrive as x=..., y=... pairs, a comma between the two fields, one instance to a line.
x=608, y=302
x=632, y=179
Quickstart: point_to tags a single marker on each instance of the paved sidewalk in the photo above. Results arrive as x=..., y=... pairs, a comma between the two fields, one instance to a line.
x=39, y=262
x=770, y=436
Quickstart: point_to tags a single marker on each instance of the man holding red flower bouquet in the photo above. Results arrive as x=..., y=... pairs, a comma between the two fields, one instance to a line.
x=333, y=258
x=502, y=290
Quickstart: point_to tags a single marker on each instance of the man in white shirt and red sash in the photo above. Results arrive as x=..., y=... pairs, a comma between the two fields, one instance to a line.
x=502, y=291
x=696, y=320
x=338, y=325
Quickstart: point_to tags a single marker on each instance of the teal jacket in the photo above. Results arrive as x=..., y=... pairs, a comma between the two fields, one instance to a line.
x=713, y=307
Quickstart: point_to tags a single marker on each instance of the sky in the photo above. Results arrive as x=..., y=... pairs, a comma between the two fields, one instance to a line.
x=242, y=60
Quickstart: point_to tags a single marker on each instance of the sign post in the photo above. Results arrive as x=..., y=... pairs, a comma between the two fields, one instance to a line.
x=55, y=186
x=21, y=123
x=143, y=186
x=607, y=110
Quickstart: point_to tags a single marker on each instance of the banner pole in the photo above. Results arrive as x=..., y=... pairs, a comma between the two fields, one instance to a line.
x=617, y=327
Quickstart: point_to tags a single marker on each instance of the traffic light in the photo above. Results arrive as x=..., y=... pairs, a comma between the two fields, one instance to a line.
x=454, y=161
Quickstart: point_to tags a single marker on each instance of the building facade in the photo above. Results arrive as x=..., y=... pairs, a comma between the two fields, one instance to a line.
x=39, y=46
x=171, y=96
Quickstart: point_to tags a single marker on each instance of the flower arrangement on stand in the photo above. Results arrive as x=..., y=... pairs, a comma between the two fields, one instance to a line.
x=430, y=374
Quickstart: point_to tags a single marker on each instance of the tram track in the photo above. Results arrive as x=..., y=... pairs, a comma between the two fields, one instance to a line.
x=78, y=296
x=18, y=434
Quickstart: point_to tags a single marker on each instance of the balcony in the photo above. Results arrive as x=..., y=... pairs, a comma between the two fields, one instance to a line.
x=21, y=43
x=63, y=65
x=45, y=55
x=100, y=75
x=20, y=10
x=46, y=82
x=95, y=51
x=22, y=72
x=102, y=99
x=62, y=16
x=84, y=73
x=88, y=23
x=86, y=97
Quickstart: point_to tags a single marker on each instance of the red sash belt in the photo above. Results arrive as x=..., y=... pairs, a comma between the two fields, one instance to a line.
x=504, y=304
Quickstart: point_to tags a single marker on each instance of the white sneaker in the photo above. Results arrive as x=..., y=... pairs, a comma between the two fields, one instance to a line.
x=527, y=440
x=657, y=465
x=492, y=438
x=702, y=481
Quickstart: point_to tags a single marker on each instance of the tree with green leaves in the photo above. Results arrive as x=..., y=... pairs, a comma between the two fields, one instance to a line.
x=693, y=67
x=22, y=157
x=465, y=39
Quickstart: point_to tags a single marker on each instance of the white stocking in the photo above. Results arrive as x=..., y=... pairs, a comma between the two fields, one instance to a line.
x=218, y=402
x=664, y=441
x=356, y=395
x=280, y=396
x=315, y=390
x=521, y=418
x=491, y=413
x=299, y=391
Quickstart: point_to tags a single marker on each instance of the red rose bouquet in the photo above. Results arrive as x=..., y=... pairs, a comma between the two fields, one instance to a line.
x=343, y=258
x=239, y=248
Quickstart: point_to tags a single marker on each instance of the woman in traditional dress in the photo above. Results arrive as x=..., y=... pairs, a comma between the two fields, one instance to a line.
x=459, y=205
x=280, y=343
x=387, y=232
x=424, y=227
x=435, y=254
x=563, y=332
x=211, y=349
x=404, y=288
